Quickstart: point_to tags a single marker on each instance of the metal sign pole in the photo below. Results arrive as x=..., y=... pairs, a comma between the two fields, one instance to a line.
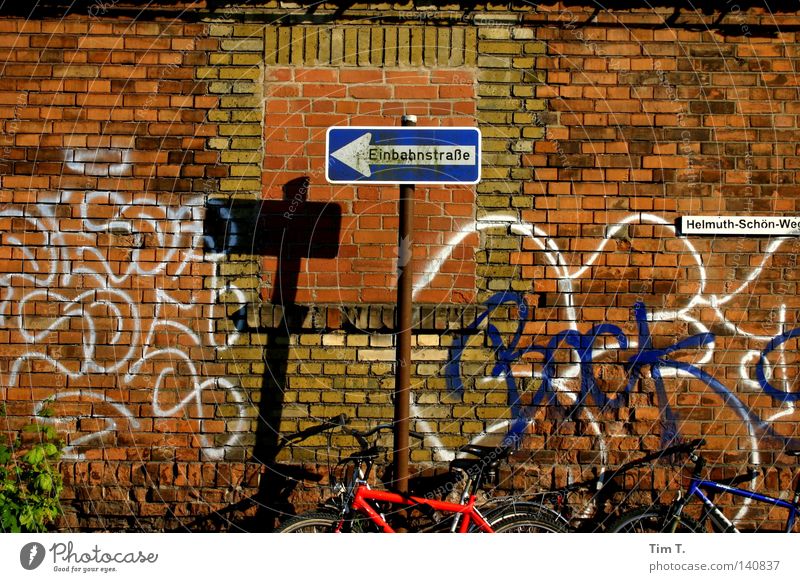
x=403, y=156
x=403, y=364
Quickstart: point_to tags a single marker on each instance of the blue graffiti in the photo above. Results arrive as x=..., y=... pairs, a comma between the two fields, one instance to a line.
x=776, y=394
x=583, y=344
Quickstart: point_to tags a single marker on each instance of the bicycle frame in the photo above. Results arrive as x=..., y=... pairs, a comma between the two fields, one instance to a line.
x=364, y=494
x=698, y=485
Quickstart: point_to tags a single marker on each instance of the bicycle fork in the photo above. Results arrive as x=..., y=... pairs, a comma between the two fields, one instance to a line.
x=468, y=497
x=711, y=510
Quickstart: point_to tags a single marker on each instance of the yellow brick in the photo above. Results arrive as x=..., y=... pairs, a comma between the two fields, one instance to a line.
x=246, y=143
x=362, y=46
x=403, y=46
x=240, y=129
x=311, y=46
x=246, y=157
x=298, y=39
x=324, y=46
x=472, y=427
x=233, y=184
x=350, y=46
x=284, y=45
x=243, y=45
x=429, y=46
x=271, y=45
x=248, y=30
x=327, y=411
x=417, y=46
x=337, y=46
x=334, y=369
x=220, y=30
x=240, y=73
x=219, y=59
x=216, y=143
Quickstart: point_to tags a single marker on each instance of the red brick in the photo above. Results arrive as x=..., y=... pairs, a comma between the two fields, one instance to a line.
x=406, y=78
x=370, y=91
x=311, y=76
x=352, y=77
x=416, y=92
x=323, y=90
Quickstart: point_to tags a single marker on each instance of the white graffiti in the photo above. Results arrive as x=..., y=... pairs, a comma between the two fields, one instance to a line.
x=567, y=274
x=102, y=294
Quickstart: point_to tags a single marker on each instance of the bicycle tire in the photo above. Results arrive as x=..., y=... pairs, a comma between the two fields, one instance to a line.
x=312, y=522
x=325, y=521
x=651, y=519
x=532, y=522
x=513, y=508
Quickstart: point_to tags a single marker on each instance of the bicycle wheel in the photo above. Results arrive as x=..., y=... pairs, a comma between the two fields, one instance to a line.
x=652, y=519
x=510, y=509
x=312, y=522
x=533, y=522
x=325, y=521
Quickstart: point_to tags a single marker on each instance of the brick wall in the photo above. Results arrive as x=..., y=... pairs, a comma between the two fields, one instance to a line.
x=149, y=298
x=301, y=104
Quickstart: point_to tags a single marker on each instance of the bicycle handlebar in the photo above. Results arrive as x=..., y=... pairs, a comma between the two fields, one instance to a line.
x=361, y=436
x=683, y=448
x=603, y=478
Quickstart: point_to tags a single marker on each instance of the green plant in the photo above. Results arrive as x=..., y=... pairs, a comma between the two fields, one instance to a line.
x=30, y=483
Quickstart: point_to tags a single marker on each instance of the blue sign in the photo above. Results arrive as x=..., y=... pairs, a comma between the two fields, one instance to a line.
x=403, y=155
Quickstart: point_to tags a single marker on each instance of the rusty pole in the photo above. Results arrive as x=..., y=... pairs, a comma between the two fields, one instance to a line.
x=403, y=363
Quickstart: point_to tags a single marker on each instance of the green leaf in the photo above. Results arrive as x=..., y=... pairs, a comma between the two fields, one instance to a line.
x=26, y=519
x=35, y=455
x=30, y=483
x=44, y=482
x=46, y=412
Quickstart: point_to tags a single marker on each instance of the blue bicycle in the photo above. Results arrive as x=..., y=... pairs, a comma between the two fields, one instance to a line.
x=671, y=518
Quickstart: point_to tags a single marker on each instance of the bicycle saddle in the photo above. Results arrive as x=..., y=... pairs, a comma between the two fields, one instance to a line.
x=486, y=457
x=369, y=454
x=795, y=453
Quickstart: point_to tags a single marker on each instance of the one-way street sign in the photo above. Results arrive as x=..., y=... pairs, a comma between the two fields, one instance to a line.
x=403, y=155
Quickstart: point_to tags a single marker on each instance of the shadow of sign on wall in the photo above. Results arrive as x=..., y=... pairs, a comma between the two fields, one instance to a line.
x=291, y=229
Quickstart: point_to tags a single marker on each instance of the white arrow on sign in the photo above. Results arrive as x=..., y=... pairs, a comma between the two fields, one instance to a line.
x=359, y=154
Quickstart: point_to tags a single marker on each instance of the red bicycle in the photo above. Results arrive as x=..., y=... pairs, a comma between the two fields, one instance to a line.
x=357, y=507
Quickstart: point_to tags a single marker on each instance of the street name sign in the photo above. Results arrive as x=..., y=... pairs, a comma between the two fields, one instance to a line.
x=740, y=225
x=403, y=155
